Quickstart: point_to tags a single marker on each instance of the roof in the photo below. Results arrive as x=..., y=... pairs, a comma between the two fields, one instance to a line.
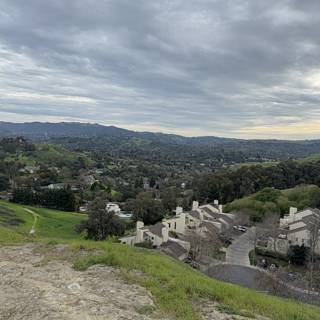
x=174, y=249
x=211, y=213
x=210, y=226
x=156, y=229
x=195, y=214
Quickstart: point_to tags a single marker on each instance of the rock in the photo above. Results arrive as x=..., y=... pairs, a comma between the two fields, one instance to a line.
x=56, y=291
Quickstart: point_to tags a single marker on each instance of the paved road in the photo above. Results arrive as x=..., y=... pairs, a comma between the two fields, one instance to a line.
x=238, y=252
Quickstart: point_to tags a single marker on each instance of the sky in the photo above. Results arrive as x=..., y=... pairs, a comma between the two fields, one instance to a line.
x=243, y=69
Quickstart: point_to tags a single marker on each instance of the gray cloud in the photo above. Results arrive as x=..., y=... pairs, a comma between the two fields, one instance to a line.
x=233, y=68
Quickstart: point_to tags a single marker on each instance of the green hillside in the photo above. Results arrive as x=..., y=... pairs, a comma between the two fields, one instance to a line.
x=274, y=200
x=177, y=289
x=16, y=221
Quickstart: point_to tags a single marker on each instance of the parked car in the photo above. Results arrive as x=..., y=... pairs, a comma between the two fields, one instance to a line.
x=240, y=228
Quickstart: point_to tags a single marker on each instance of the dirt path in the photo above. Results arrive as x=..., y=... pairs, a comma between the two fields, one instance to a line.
x=35, y=219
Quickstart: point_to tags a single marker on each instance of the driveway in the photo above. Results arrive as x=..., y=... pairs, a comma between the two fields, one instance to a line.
x=238, y=252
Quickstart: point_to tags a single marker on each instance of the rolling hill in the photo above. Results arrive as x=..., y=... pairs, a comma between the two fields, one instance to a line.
x=95, y=136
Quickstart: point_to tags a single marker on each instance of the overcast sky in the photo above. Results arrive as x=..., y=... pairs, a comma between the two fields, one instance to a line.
x=235, y=68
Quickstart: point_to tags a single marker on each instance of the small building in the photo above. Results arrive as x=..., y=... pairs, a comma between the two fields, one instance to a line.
x=29, y=169
x=55, y=186
x=113, y=207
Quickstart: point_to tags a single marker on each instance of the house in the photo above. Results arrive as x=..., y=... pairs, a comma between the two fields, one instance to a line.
x=55, y=186
x=113, y=207
x=209, y=214
x=199, y=218
x=177, y=223
x=294, y=229
x=29, y=169
x=156, y=234
x=176, y=248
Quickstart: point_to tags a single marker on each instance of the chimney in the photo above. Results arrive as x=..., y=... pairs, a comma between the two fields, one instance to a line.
x=220, y=208
x=140, y=225
x=195, y=205
x=165, y=234
x=179, y=210
x=216, y=202
x=292, y=211
x=139, y=235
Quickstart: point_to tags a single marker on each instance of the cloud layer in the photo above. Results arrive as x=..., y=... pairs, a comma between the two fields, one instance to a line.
x=230, y=68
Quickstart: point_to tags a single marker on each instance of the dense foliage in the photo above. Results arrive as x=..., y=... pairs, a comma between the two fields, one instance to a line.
x=227, y=185
x=146, y=209
x=63, y=199
x=271, y=200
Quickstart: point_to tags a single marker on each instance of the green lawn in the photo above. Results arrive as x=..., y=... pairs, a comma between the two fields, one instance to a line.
x=178, y=290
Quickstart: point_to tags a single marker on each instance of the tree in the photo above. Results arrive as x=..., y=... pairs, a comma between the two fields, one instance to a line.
x=297, y=254
x=314, y=233
x=146, y=209
x=268, y=229
x=4, y=182
x=101, y=223
x=203, y=243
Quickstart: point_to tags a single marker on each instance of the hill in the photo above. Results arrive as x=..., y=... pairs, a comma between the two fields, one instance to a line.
x=178, y=291
x=17, y=221
x=275, y=200
x=121, y=141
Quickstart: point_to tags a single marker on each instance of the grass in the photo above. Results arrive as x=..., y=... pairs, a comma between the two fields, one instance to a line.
x=175, y=286
x=51, y=224
x=177, y=289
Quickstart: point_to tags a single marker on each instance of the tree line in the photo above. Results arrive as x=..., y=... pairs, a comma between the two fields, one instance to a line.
x=63, y=199
x=227, y=185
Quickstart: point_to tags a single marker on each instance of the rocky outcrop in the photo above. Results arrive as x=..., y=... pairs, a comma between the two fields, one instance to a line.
x=31, y=290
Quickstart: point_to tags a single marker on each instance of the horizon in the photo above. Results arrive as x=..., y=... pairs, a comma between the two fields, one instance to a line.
x=157, y=132
x=237, y=69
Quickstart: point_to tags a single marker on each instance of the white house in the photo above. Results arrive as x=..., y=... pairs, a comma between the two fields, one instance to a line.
x=113, y=207
x=206, y=216
x=295, y=230
x=157, y=234
x=177, y=223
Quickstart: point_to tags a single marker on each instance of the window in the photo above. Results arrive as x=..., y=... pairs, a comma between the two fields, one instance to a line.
x=297, y=239
x=175, y=225
x=169, y=224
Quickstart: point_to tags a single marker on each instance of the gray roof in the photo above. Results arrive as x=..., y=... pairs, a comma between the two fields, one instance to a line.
x=174, y=249
x=210, y=226
x=156, y=229
x=211, y=213
x=195, y=214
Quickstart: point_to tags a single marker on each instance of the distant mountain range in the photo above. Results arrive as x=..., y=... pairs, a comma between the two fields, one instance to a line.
x=270, y=149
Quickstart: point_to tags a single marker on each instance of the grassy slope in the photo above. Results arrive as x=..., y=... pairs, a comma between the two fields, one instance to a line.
x=175, y=286
x=300, y=196
x=51, y=224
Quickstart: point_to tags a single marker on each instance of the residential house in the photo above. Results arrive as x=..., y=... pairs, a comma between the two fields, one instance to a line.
x=55, y=186
x=294, y=229
x=199, y=218
x=29, y=169
x=113, y=207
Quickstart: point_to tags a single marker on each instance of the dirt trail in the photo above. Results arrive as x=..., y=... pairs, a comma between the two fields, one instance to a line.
x=35, y=219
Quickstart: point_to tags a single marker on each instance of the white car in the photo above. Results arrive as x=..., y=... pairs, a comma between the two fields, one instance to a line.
x=240, y=228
